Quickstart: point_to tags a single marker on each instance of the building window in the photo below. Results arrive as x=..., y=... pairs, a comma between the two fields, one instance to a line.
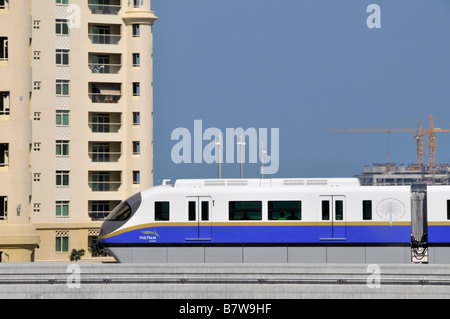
x=136, y=147
x=62, y=57
x=3, y=49
x=136, y=59
x=4, y=103
x=37, y=177
x=36, y=24
x=61, y=27
x=37, y=147
x=37, y=55
x=62, y=118
x=37, y=116
x=101, y=152
x=136, y=30
x=62, y=148
x=136, y=118
x=62, y=178
x=136, y=3
x=136, y=89
x=367, y=209
x=3, y=207
x=62, y=87
x=245, y=210
x=62, y=241
x=36, y=207
x=4, y=155
x=37, y=85
x=99, y=210
x=4, y=4
x=62, y=1
x=62, y=209
x=136, y=177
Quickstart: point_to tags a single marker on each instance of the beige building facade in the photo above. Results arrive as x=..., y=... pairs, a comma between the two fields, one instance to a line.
x=86, y=78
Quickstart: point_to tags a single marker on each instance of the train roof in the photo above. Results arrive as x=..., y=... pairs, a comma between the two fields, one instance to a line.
x=274, y=182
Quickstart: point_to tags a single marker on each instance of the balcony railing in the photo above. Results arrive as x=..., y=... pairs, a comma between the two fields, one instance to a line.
x=104, y=127
x=98, y=215
x=105, y=157
x=104, y=98
x=105, y=186
x=104, y=68
x=104, y=38
x=104, y=9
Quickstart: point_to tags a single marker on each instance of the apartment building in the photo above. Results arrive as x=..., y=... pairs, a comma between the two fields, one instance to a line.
x=18, y=237
x=87, y=71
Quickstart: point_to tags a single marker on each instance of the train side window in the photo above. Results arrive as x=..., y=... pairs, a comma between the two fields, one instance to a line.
x=325, y=210
x=367, y=209
x=245, y=210
x=285, y=210
x=205, y=211
x=192, y=211
x=161, y=211
x=339, y=213
x=448, y=209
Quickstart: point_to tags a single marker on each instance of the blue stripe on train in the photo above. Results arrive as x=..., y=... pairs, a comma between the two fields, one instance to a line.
x=439, y=234
x=265, y=234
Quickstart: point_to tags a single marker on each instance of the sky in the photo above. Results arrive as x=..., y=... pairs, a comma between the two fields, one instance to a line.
x=302, y=67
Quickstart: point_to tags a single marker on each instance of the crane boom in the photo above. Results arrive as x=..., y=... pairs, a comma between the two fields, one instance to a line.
x=419, y=133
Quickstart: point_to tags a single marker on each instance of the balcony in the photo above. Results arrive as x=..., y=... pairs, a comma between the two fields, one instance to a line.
x=105, y=152
x=105, y=122
x=99, y=209
x=105, y=92
x=105, y=68
x=109, y=181
x=105, y=63
x=104, y=34
x=104, y=7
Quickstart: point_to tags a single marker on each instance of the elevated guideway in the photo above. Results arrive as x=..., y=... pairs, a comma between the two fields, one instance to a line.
x=226, y=281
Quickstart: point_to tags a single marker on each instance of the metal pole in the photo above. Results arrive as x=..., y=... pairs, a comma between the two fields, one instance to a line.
x=219, y=143
x=242, y=144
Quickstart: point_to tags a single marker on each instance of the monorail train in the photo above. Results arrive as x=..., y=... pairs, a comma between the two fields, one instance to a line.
x=279, y=220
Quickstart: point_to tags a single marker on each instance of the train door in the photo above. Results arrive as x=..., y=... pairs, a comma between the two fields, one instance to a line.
x=199, y=211
x=333, y=212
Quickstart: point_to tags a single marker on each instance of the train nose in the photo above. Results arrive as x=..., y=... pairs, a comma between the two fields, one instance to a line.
x=119, y=216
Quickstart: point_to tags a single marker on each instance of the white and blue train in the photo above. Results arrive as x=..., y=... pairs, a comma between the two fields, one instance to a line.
x=279, y=220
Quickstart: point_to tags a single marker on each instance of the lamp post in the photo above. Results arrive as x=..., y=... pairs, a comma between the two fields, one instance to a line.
x=242, y=144
x=219, y=160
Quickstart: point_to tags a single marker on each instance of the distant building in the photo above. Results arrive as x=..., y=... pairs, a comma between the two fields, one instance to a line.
x=412, y=174
x=76, y=120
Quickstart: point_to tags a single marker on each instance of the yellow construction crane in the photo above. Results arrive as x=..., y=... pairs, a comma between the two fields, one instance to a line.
x=419, y=133
x=431, y=143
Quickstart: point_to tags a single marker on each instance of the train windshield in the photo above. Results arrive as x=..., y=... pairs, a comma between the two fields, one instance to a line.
x=121, y=213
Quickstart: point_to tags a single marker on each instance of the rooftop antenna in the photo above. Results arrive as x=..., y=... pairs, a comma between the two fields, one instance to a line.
x=241, y=142
x=219, y=143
